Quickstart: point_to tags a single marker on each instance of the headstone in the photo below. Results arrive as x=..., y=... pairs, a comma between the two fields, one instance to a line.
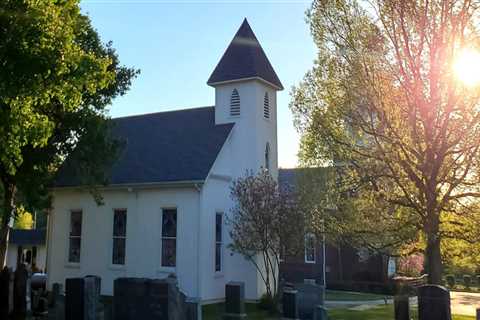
x=320, y=313
x=193, y=309
x=74, y=299
x=401, y=306
x=137, y=298
x=234, y=301
x=91, y=297
x=20, y=293
x=56, y=291
x=433, y=303
x=4, y=293
x=309, y=296
x=290, y=304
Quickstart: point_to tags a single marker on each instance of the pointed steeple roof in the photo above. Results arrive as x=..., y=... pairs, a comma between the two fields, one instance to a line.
x=244, y=59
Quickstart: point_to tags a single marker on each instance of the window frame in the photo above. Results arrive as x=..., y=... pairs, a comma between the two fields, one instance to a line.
x=70, y=237
x=235, y=110
x=219, y=243
x=266, y=106
x=311, y=236
x=162, y=238
x=267, y=156
x=112, y=263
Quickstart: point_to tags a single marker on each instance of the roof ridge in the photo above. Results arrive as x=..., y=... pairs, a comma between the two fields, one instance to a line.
x=166, y=111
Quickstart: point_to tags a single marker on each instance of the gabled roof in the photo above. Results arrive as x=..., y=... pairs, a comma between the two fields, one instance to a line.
x=27, y=237
x=291, y=179
x=244, y=59
x=174, y=146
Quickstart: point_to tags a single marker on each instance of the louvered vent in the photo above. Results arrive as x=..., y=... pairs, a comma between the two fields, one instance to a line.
x=266, y=106
x=235, y=103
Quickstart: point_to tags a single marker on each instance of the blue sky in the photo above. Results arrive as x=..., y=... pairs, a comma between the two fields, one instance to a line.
x=177, y=44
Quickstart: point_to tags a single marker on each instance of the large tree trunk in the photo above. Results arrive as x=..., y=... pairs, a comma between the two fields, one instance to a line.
x=434, y=259
x=8, y=210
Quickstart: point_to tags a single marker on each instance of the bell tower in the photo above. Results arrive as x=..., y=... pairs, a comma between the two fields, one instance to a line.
x=246, y=88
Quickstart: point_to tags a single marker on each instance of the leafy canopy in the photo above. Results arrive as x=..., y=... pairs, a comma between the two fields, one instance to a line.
x=383, y=105
x=56, y=81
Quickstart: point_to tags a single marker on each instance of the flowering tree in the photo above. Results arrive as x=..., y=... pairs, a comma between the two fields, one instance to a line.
x=264, y=224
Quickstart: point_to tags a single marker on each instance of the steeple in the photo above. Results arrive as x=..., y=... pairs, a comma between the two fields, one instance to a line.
x=244, y=59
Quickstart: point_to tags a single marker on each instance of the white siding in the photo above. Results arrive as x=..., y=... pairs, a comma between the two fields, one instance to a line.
x=143, y=246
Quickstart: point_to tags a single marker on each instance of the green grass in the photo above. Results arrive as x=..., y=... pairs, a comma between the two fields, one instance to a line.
x=377, y=313
x=215, y=311
x=333, y=295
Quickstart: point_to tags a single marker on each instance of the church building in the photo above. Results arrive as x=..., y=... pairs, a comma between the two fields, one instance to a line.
x=168, y=196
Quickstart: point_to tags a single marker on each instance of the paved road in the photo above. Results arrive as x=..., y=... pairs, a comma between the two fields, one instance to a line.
x=464, y=302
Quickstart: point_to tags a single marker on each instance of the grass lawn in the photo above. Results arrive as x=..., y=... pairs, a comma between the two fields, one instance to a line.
x=214, y=312
x=378, y=313
x=333, y=295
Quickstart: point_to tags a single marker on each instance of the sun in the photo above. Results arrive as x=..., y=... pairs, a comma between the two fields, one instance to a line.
x=467, y=67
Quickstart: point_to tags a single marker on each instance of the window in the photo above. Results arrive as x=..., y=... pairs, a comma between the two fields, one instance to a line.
x=310, y=248
x=119, y=236
x=75, y=236
x=235, y=103
x=218, y=241
x=169, y=237
x=266, y=106
x=267, y=156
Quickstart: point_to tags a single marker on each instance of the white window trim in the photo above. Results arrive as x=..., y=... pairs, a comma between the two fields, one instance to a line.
x=219, y=273
x=68, y=263
x=310, y=235
x=112, y=265
x=161, y=268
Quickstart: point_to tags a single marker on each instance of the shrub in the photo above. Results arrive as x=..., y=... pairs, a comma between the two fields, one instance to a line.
x=450, y=280
x=467, y=280
x=267, y=303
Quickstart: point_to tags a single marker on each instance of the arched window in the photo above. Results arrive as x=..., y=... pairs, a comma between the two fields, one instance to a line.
x=266, y=106
x=235, y=103
x=267, y=156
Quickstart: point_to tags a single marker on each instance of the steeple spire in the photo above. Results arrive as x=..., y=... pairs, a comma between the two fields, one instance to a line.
x=244, y=59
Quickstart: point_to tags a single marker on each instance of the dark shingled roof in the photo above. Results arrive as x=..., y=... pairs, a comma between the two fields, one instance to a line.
x=27, y=237
x=164, y=147
x=288, y=179
x=244, y=58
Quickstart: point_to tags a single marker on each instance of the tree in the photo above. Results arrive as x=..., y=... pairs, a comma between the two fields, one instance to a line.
x=385, y=105
x=56, y=80
x=264, y=224
x=24, y=219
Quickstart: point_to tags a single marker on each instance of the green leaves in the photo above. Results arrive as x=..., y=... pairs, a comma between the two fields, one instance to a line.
x=381, y=105
x=56, y=80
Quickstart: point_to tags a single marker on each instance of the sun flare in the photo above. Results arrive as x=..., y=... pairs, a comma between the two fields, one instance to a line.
x=467, y=67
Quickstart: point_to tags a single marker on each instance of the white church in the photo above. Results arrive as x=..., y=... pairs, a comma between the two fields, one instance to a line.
x=169, y=193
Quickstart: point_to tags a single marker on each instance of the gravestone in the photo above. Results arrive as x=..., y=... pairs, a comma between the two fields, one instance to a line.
x=20, y=293
x=290, y=304
x=138, y=298
x=129, y=298
x=320, y=313
x=56, y=291
x=309, y=296
x=74, y=299
x=401, y=306
x=4, y=293
x=433, y=303
x=91, y=297
x=234, y=301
